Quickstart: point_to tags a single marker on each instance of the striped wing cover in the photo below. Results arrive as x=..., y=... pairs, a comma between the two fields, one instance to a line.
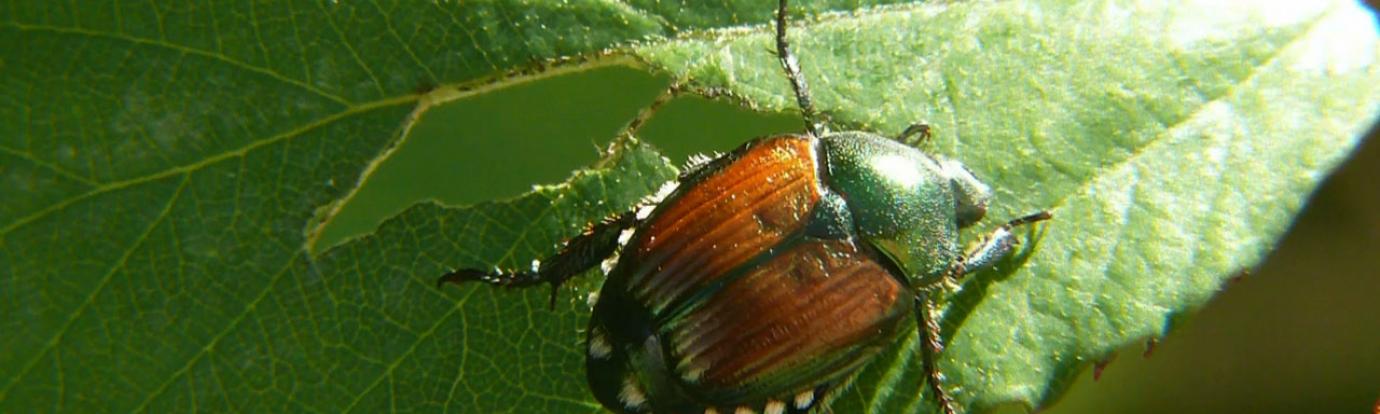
x=748, y=306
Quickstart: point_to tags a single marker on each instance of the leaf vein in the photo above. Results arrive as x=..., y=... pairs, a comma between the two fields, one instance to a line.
x=86, y=304
x=211, y=345
x=393, y=31
x=1163, y=138
x=49, y=166
x=179, y=48
x=209, y=160
x=410, y=349
x=345, y=42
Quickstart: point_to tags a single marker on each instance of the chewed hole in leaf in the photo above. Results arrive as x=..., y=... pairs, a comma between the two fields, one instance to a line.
x=497, y=145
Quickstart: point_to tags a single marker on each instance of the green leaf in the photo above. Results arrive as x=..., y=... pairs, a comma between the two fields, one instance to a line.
x=165, y=168
x=161, y=167
x=1173, y=143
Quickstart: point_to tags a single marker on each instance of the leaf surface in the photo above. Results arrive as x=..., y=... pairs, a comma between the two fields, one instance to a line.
x=1173, y=144
x=163, y=166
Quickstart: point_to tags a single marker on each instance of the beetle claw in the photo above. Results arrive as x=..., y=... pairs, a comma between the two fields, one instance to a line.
x=511, y=280
x=555, y=288
x=462, y=276
x=1032, y=218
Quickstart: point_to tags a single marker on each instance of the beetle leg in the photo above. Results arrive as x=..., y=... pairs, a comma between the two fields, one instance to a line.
x=992, y=248
x=931, y=344
x=792, y=67
x=996, y=245
x=914, y=135
x=577, y=255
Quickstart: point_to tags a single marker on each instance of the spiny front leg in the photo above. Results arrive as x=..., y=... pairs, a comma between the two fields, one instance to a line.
x=580, y=253
x=992, y=248
x=995, y=245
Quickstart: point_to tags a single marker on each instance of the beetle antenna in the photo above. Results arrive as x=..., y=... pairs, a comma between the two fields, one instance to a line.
x=792, y=66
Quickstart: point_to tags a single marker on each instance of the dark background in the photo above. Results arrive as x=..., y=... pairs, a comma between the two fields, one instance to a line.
x=1300, y=333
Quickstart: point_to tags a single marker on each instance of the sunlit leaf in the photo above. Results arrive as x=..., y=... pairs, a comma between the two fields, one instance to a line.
x=164, y=167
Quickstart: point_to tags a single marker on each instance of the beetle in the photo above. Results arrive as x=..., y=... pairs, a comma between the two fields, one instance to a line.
x=763, y=279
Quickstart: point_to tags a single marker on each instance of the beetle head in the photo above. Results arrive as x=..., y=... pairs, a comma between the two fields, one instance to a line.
x=970, y=194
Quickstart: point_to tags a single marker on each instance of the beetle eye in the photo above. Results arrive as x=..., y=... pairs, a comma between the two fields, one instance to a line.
x=967, y=214
x=970, y=194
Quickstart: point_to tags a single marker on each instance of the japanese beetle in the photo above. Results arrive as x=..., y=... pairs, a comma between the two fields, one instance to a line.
x=760, y=280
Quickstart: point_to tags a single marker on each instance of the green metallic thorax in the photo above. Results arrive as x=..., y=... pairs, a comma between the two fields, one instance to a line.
x=901, y=200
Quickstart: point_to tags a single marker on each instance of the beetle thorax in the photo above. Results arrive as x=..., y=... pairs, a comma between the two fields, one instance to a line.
x=904, y=202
